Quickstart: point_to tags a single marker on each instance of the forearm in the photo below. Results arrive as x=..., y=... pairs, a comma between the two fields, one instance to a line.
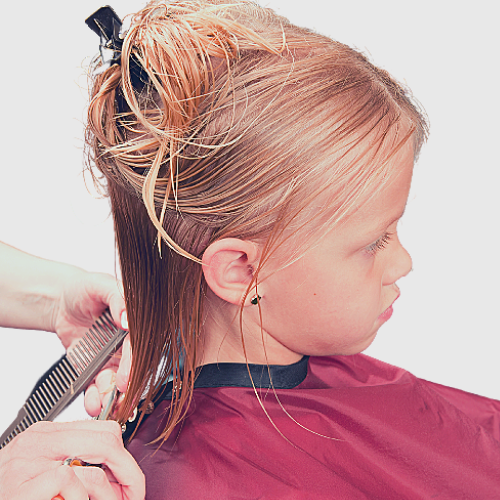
x=30, y=288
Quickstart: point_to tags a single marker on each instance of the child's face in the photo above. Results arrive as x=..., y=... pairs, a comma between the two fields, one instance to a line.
x=334, y=299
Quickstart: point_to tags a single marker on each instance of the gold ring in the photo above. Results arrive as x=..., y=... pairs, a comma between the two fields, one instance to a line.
x=75, y=462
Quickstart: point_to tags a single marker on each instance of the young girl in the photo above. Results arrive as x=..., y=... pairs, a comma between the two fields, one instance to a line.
x=257, y=172
x=281, y=160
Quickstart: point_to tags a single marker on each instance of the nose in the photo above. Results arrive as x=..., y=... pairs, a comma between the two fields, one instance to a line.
x=399, y=264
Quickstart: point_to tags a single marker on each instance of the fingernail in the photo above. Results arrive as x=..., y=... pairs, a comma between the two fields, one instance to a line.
x=124, y=320
x=126, y=358
x=123, y=373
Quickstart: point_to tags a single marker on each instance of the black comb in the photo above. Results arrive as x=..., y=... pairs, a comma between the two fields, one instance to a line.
x=68, y=377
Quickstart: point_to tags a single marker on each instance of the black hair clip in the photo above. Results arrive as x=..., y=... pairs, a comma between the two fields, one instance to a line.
x=106, y=23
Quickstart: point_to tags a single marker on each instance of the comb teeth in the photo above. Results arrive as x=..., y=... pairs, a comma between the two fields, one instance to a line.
x=44, y=398
x=68, y=377
x=99, y=335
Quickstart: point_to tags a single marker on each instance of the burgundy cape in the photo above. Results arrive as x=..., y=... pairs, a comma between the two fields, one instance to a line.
x=389, y=435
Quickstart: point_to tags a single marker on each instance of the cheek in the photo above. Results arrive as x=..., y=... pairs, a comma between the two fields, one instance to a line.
x=352, y=308
x=326, y=289
x=329, y=298
x=324, y=314
x=357, y=286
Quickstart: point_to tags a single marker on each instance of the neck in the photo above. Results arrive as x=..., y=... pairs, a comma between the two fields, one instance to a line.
x=228, y=338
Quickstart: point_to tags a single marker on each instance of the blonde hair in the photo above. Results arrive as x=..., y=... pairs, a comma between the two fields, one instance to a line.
x=244, y=119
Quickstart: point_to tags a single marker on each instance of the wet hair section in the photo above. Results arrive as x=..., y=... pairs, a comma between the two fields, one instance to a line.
x=245, y=120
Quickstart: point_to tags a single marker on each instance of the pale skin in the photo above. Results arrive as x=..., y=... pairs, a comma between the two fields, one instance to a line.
x=39, y=294
x=36, y=472
x=331, y=301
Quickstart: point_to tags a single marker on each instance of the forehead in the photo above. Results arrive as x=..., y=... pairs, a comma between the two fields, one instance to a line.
x=386, y=200
x=381, y=204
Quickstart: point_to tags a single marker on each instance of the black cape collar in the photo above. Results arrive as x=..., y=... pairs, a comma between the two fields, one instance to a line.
x=263, y=376
x=236, y=375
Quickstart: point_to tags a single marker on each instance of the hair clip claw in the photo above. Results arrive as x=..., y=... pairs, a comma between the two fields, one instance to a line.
x=106, y=23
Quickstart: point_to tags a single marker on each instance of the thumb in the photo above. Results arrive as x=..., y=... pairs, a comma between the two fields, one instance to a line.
x=123, y=373
x=116, y=304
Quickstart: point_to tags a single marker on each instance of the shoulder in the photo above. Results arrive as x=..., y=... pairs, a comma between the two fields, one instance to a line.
x=355, y=371
x=344, y=405
x=484, y=412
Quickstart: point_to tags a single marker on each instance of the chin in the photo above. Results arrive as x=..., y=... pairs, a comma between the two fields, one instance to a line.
x=361, y=346
x=348, y=349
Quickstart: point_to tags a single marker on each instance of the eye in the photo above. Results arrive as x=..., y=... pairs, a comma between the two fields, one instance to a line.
x=380, y=244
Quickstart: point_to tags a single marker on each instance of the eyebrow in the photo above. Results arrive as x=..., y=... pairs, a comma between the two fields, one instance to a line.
x=389, y=222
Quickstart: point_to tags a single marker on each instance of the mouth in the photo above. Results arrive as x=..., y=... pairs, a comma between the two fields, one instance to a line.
x=386, y=315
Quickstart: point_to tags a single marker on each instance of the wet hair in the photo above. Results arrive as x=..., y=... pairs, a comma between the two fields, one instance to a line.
x=243, y=121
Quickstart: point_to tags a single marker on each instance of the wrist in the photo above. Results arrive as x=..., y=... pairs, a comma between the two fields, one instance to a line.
x=31, y=289
x=48, y=297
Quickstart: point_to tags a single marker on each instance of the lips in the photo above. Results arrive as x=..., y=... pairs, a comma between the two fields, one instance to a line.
x=388, y=312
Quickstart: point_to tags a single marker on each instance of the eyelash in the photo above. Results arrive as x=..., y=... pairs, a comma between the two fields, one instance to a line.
x=380, y=244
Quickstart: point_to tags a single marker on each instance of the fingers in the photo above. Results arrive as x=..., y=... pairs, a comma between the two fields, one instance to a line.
x=77, y=425
x=101, y=291
x=105, y=383
x=68, y=483
x=57, y=441
x=116, y=371
x=114, y=297
x=96, y=483
x=124, y=320
x=123, y=373
x=47, y=484
x=83, y=298
x=99, y=442
x=46, y=444
x=92, y=401
x=97, y=394
x=63, y=481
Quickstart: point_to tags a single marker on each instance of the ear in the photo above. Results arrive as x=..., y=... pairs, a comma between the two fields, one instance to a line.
x=228, y=266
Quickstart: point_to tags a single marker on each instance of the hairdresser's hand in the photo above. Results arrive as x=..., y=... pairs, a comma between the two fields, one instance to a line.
x=31, y=465
x=40, y=294
x=83, y=298
x=115, y=372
